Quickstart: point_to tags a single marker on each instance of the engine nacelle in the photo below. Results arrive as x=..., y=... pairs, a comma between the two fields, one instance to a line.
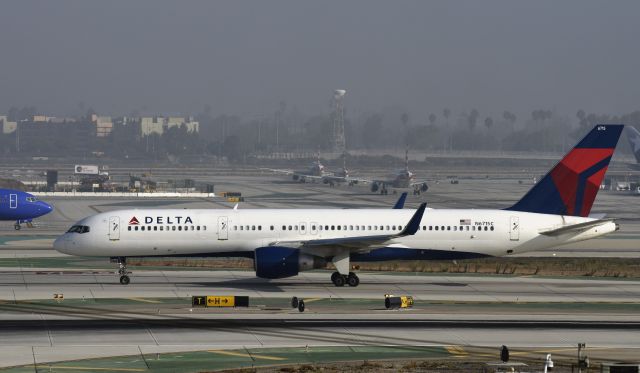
x=281, y=262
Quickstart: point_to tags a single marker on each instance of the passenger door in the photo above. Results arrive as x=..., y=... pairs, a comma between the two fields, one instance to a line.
x=13, y=201
x=223, y=228
x=114, y=228
x=514, y=230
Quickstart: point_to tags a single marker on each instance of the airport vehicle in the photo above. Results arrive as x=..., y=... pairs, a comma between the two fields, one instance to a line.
x=401, y=179
x=284, y=242
x=633, y=136
x=21, y=207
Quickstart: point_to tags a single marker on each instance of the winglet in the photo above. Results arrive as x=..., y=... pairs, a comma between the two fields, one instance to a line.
x=400, y=204
x=414, y=224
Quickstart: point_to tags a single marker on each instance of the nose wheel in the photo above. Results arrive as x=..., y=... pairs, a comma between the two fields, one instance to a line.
x=340, y=280
x=122, y=270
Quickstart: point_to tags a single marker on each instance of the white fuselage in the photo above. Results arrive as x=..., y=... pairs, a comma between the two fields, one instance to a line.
x=165, y=232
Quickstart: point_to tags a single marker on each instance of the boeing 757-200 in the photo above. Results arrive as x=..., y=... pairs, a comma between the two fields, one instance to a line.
x=284, y=242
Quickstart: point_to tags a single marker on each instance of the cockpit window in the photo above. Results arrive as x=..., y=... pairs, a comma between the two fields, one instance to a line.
x=79, y=229
x=31, y=199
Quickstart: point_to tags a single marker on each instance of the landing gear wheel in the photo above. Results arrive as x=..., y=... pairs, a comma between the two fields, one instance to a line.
x=294, y=302
x=122, y=269
x=353, y=280
x=339, y=281
x=301, y=306
x=16, y=226
x=334, y=275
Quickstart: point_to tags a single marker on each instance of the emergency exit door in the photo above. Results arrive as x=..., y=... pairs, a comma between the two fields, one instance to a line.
x=514, y=231
x=114, y=228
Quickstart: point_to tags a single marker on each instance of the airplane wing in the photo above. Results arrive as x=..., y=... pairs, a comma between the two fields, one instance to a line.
x=359, y=242
x=575, y=227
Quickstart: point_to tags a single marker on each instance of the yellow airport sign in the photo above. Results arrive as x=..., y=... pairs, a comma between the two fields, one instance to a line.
x=221, y=301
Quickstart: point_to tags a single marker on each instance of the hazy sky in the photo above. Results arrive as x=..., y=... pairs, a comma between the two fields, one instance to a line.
x=244, y=57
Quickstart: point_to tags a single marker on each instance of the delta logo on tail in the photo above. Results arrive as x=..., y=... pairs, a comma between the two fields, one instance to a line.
x=571, y=186
x=134, y=221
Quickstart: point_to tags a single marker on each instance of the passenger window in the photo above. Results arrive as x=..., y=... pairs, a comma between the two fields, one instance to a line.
x=284, y=227
x=448, y=227
x=198, y=228
x=155, y=227
x=338, y=227
x=271, y=227
x=486, y=228
x=302, y=227
x=430, y=228
x=326, y=227
x=381, y=227
x=436, y=227
x=259, y=227
x=129, y=228
x=173, y=228
x=313, y=227
x=492, y=228
x=253, y=227
x=142, y=228
x=136, y=228
x=442, y=227
x=180, y=228
x=204, y=227
x=290, y=228
x=162, y=227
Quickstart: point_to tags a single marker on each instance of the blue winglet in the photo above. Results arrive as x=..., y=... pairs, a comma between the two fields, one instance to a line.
x=414, y=224
x=400, y=204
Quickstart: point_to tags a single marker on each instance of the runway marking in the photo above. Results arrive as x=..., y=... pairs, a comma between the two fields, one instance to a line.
x=312, y=300
x=456, y=351
x=231, y=353
x=89, y=368
x=144, y=300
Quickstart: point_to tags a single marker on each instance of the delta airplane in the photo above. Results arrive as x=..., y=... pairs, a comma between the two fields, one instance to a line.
x=285, y=242
x=21, y=207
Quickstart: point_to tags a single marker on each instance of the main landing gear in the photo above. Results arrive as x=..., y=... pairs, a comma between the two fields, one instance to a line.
x=340, y=280
x=122, y=269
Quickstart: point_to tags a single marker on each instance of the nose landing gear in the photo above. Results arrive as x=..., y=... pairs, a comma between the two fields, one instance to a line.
x=122, y=269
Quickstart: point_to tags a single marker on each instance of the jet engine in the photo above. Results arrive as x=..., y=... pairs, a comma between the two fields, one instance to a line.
x=281, y=262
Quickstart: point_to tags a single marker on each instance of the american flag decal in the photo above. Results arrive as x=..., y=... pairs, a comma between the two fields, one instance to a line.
x=465, y=221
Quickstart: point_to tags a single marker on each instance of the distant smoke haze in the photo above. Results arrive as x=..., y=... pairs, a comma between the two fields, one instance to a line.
x=245, y=57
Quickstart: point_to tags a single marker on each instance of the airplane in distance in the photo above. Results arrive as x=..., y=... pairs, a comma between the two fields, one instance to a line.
x=317, y=173
x=284, y=242
x=401, y=179
x=21, y=207
x=633, y=136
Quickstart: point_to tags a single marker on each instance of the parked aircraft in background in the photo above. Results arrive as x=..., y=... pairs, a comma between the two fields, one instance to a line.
x=21, y=207
x=318, y=173
x=633, y=136
x=284, y=242
x=401, y=179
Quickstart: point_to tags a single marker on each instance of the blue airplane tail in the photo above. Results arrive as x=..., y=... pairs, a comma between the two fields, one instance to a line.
x=572, y=184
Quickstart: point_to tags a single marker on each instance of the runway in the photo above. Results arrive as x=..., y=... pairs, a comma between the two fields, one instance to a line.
x=100, y=318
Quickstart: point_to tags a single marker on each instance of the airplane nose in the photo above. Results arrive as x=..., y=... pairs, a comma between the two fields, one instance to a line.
x=60, y=244
x=44, y=208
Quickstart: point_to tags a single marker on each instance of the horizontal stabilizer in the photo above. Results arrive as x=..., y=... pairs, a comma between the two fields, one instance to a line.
x=575, y=227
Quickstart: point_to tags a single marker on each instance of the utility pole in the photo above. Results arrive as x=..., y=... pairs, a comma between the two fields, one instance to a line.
x=339, y=143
